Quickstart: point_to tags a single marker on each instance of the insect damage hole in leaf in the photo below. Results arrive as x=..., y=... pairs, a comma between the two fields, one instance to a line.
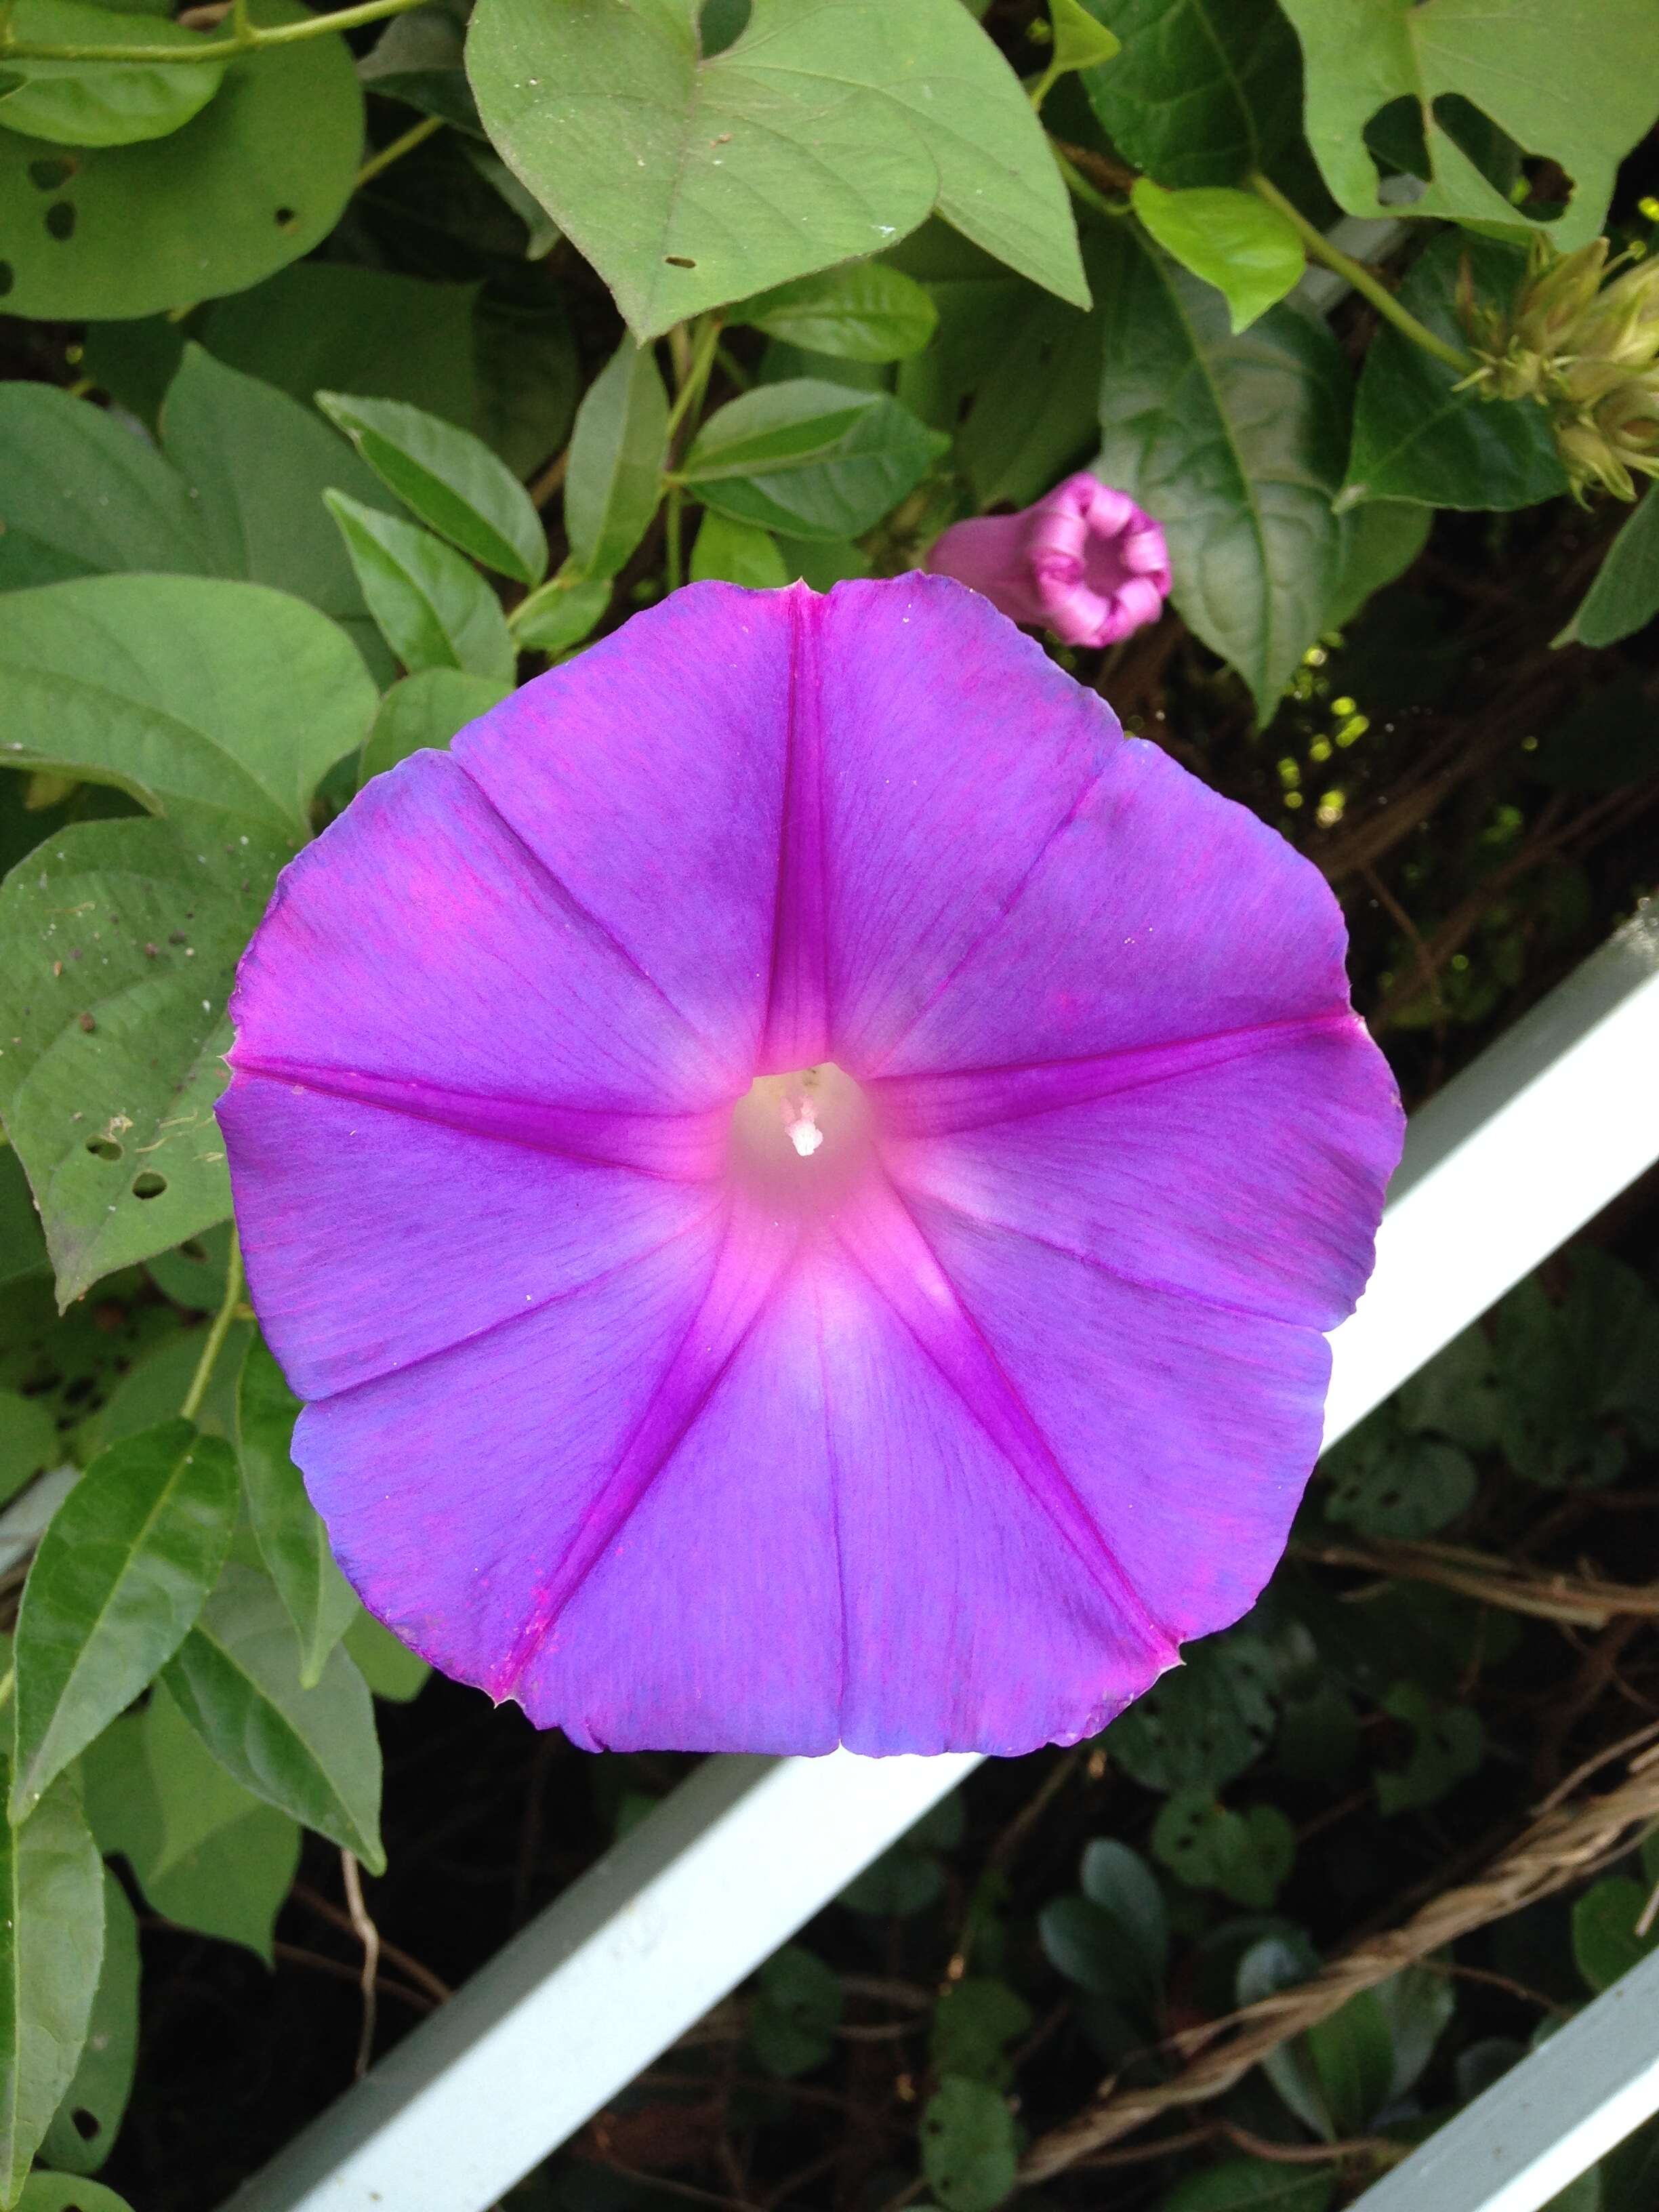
x=148, y=1184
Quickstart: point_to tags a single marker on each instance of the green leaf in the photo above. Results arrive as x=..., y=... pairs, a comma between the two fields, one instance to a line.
x=1079, y=42
x=1034, y=414
x=434, y=610
x=83, y=495
x=116, y=1031
x=1538, y=69
x=736, y=553
x=821, y=133
x=258, y=463
x=391, y=1669
x=334, y=326
x=1085, y=1943
x=311, y=1753
x=274, y=157
x=614, y=480
x=1418, y=2005
x=810, y=459
x=969, y=2151
x=122, y=1572
x=1252, y=2184
x=530, y=378
x=1623, y=597
x=447, y=477
x=99, y=103
x=1605, y=1942
x=51, y=1945
x=1319, y=1734
x=1385, y=536
x=1120, y=1882
x=798, y=2008
x=417, y=59
x=292, y=1540
x=864, y=311
x=973, y=2022
x=426, y=710
x=152, y=1388
x=1351, y=2057
x=82, y=2134
x=206, y=1853
x=1204, y=90
x=562, y=612
x=219, y=705
x=1449, y=1743
x=1579, y=1377
x=1202, y=1723
x=1390, y=1485
x=1245, y=1855
x=1418, y=434
x=67, y=2192
x=1232, y=240
x=28, y=1442
x=1235, y=446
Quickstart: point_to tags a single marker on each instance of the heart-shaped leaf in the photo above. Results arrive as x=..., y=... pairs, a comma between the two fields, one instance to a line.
x=827, y=130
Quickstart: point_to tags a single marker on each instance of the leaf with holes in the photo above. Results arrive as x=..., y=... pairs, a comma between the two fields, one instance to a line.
x=122, y=1571
x=969, y=2151
x=1232, y=240
x=1236, y=446
x=118, y=950
x=82, y=496
x=821, y=133
x=99, y=103
x=1204, y=90
x=1387, y=1484
x=219, y=705
x=810, y=459
x=434, y=610
x=293, y=1541
x=1203, y=1723
x=66, y=2192
x=1448, y=1745
x=614, y=480
x=1418, y=433
x=117, y=231
x=1245, y=1855
x=1536, y=70
x=311, y=1753
x=448, y=478
x=82, y=2134
x=862, y=312
x=51, y=1945
x=427, y=709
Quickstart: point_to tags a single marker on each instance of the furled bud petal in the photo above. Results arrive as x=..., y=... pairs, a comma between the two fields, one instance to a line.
x=1085, y=562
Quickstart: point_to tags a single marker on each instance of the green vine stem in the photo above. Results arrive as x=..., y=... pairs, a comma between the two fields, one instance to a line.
x=1368, y=286
x=218, y=1331
x=416, y=135
x=246, y=38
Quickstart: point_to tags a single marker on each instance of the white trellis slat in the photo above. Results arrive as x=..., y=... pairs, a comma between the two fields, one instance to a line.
x=1547, y=1126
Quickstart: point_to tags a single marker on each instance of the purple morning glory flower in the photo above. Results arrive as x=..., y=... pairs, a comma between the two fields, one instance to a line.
x=1085, y=562
x=802, y=1176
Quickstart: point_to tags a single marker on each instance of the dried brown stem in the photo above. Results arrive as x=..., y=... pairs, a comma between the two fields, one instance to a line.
x=1563, y=1844
x=1586, y=1601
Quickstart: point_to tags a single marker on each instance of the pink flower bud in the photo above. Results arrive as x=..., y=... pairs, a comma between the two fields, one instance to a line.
x=1085, y=562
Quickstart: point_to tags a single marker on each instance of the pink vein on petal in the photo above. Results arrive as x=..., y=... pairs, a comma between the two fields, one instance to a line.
x=999, y=920
x=885, y=1242
x=796, y=1028
x=753, y=1254
x=672, y=1148
x=960, y=1099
